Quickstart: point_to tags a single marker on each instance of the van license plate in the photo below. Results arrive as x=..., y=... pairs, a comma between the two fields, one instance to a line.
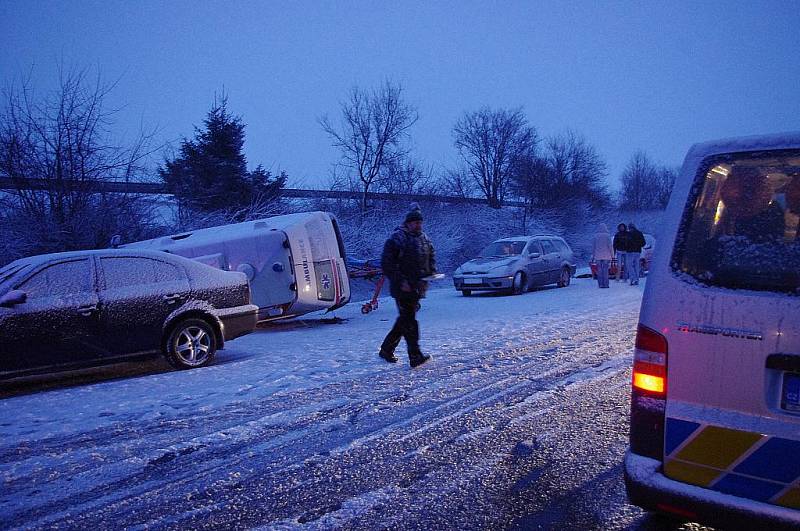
x=473, y=281
x=790, y=397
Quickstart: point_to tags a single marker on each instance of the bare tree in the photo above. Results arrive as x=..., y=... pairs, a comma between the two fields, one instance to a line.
x=62, y=141
x=568, y=170
x=532, y=180
x=372, y=131
x=458, y=182
x=407, y=176
x=577, y=168
x=644, y=184
x=490, y=142
x=665, y=181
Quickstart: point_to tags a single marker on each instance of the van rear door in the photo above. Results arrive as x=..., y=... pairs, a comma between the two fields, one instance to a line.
x=732, y=323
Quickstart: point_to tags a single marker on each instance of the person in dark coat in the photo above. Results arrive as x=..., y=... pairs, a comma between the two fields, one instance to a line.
x=633, y=254
x=620, y=244
x=408, y=258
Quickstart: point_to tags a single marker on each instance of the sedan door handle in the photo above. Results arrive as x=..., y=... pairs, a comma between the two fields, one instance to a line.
x=172, y=299
x=87, y=310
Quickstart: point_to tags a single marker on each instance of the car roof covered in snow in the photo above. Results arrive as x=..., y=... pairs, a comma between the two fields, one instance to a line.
x=526, y=238
x=44, y=258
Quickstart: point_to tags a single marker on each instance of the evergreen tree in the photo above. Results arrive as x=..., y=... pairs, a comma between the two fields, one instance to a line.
x=210, y=172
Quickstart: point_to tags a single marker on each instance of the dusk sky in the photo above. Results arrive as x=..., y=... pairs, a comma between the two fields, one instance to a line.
x=656, y=76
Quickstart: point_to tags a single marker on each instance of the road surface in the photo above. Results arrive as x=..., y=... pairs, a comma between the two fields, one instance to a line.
x=519, y=422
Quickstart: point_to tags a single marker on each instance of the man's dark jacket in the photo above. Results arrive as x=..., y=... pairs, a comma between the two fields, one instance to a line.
x=635, y=241
x=621, y=241
x=408, y=257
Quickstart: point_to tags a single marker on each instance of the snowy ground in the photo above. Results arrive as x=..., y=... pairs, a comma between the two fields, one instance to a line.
x=520, y=421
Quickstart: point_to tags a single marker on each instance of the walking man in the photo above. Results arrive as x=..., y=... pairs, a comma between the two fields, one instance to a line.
x=408, y=257
x=620, y=239
x=633, y=253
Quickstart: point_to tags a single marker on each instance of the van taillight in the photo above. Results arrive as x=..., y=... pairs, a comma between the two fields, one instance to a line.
x=648, y=393
x=650, y=362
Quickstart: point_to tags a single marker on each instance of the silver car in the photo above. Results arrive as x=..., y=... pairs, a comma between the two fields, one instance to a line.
x=517, y=264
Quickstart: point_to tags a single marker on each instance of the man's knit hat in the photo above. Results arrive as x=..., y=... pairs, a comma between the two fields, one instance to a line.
x=415, y=214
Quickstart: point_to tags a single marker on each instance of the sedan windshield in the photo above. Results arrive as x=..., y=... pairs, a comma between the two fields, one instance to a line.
x=503, y=248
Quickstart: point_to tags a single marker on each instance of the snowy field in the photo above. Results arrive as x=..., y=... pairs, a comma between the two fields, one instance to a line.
x=519, y=421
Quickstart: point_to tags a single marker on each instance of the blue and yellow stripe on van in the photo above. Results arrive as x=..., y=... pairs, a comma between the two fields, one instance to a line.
x=741, y=463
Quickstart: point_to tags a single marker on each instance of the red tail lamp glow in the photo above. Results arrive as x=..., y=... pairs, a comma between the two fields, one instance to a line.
x=650, y=362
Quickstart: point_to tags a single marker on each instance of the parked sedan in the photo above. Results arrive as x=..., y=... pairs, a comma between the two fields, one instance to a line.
x=70, y=310
x=517, y=264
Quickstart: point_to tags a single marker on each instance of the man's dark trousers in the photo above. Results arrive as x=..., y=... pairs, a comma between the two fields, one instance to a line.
x=405, y=326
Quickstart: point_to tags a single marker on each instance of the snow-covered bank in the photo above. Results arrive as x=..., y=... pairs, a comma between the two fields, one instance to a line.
x=459, y=232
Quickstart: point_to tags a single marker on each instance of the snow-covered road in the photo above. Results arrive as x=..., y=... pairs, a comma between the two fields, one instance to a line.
x=520, y=421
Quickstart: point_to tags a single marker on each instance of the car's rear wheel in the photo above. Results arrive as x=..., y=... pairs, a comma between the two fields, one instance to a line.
x=191, y=343
x=466, y=292
x=565, y=277
x=518, y=284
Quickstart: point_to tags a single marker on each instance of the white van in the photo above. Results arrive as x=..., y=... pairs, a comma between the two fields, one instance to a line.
x=295, y=263
x=715, y=408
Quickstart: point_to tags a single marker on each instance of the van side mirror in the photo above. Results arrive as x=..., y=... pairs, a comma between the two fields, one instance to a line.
x=535, y=254
x=12, y=298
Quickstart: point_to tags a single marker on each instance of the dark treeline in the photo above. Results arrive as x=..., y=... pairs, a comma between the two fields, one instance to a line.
x=64, y=139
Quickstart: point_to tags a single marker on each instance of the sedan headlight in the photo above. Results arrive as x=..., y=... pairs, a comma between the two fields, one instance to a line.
x=501, y=270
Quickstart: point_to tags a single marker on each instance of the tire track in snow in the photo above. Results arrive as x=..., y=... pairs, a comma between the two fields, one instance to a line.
x=459, y=376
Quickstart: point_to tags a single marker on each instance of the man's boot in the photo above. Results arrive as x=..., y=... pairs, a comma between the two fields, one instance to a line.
x=417, y=360
x=388, y=356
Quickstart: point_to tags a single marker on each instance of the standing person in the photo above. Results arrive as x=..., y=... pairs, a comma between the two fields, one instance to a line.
x=602, y=252
x=633, y=253
x=620, y=239
x=408, y=257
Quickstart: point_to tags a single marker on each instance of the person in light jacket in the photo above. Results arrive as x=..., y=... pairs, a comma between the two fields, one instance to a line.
x=602, y=252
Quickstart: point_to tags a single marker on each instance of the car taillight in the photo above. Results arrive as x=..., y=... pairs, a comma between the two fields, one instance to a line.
x=648, y=393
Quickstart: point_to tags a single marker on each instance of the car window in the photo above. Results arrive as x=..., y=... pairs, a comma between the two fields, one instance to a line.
x=561, y=246
x=548, y=247
x=741, y=228
x=59, y=279
x=165, y=272
x=534, y=247
x=503, y=248
x=120, y=272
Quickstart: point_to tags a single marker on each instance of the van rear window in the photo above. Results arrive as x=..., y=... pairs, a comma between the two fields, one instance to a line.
x=740, y=228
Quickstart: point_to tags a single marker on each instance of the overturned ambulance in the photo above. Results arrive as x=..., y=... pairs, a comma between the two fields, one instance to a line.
x=295, y=263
